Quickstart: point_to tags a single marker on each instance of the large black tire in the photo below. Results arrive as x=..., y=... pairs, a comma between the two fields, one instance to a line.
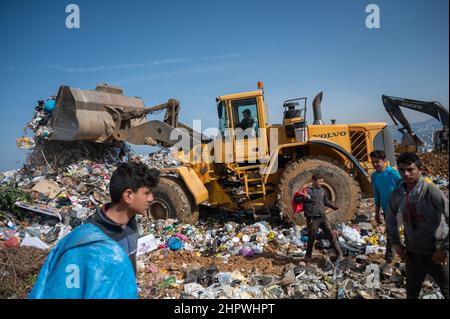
x=173, y=200
x=341, y=187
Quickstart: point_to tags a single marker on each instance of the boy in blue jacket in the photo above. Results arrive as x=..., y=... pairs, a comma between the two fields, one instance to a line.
x=97, y=260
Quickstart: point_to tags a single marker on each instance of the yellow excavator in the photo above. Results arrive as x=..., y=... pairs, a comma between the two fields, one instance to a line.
x=258, y=169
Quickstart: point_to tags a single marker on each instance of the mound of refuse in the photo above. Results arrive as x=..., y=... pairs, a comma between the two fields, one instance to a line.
x=217, y=259
x=435, y=164
x=62, y=183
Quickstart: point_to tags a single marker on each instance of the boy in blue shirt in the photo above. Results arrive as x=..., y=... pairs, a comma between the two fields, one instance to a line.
x=384, y=180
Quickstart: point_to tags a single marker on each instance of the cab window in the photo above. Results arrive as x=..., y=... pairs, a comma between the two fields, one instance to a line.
x=245, y=116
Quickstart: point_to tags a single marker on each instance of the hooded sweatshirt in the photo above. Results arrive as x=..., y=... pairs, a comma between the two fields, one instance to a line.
x=316, y=201
x=424, y=211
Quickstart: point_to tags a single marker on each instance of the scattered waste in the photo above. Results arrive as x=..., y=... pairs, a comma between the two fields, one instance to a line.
x=62, y=183
x=174, y=243
x=25, y=143
x=47, y=188
x=146, y=244
x=40, y=208
x=33, y=242
x=247, y=252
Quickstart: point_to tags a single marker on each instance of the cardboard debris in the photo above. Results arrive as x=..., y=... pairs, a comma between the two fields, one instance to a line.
x=48, y=188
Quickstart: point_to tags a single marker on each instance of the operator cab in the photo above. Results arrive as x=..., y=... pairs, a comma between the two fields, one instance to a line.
x=241, y=114
x=244, y=119
x=242, y=122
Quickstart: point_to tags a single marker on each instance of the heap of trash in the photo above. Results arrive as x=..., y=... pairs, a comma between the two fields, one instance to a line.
x=40, y=204
x=62, y=183
x=55, y=191
x=216, y=259
x=435, y=167
x=435, y=164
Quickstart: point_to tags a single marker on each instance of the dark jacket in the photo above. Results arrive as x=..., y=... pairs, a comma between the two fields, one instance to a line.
x=316, y=203
x=246, y=123
x=424, y=212
x=126, y=236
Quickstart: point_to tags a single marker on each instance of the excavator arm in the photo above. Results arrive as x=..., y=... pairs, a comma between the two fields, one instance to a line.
x=434, y=109
x=158, y=132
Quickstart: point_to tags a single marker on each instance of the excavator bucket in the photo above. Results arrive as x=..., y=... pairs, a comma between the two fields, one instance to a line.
x=410, y=140
x=92, y=115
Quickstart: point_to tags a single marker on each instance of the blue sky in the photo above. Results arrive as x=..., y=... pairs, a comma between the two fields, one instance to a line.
x=196, y=50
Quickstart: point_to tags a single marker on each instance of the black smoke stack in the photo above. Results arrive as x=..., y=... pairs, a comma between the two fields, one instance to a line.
x=317, y=109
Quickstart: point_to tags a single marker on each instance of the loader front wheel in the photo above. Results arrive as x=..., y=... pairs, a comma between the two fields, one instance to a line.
x=340, y=187
x=171, y=199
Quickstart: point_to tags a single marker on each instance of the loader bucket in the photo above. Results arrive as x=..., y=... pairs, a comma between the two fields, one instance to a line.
x=88, y=115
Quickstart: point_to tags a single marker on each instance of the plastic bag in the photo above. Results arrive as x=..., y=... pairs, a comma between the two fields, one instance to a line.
x=86, y=264
x=298, y=206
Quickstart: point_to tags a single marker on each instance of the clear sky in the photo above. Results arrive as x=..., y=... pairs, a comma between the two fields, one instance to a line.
x=196, y=50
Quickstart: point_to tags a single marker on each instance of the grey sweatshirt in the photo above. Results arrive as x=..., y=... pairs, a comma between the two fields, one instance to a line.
x=316, y=203
x=424, y=211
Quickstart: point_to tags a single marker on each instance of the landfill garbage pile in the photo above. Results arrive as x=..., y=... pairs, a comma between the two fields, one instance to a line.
x=57, y=155
x=45, y=205
x=435, y=166
x=215, y=258
x=219, y=260
x=40, y=205
x=62, y=183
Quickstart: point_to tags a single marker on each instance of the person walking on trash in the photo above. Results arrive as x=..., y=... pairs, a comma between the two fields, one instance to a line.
x=384, y=180
x=424, y=210
x=97, y=260
x=314, y=202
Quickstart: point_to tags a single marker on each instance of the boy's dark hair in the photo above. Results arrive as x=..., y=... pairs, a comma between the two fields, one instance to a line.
x=131, y=175
x=409, y=158
x=378, y=154
x=317, y=175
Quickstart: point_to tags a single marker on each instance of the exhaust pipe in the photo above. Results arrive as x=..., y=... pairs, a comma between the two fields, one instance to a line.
x=317, y=110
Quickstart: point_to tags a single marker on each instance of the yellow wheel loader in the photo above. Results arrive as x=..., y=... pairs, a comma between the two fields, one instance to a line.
x=249, y=164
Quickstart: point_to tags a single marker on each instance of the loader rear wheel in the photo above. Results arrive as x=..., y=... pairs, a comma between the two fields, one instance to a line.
x=173, y=200
x=340, y=187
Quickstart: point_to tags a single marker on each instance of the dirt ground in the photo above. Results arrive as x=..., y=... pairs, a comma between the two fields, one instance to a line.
x=18, y=270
